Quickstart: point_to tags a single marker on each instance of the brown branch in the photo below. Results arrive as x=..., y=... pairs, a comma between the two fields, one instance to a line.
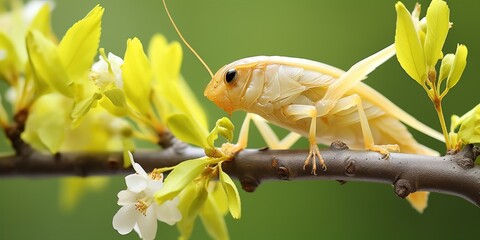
x=452, y=174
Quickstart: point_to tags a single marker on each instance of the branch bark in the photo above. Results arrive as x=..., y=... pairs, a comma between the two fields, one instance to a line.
x=452, y=174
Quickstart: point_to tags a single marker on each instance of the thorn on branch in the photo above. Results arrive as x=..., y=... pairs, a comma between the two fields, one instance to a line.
x=403, y=188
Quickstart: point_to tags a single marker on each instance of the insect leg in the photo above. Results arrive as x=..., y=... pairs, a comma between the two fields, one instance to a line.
x=355, y=100
x=271, y=138
x=307, y=111
x=267, y=133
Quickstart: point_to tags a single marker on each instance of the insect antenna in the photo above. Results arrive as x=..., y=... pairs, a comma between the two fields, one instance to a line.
x=185, y=41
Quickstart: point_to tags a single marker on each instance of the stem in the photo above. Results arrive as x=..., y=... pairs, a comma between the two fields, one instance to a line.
x=437, y=102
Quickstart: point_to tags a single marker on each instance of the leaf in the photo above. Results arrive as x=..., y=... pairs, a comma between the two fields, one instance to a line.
x=137, y=76
x=42, y=21
x=192, y=199
x=458, y=66
x=81, y=108
x=73, y=189
x=438, y=24
x=79, y=45
x=182, y=175
x=223, y=127
x=46, y=123
x=116, y=97
x=187, y=130
x=408, y=47
x=469, y=131
x=233, y=197
x=213, y=219
x=9, y=61
x=445, y=67
x=46, y=63
x=166, y=61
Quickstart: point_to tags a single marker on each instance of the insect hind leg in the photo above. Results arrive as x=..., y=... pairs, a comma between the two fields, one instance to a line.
x=355, y=101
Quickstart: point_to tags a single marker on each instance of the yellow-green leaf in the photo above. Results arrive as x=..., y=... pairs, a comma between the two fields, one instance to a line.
x=73, y=189
x=182, y=175
x=42, y=20
x=233, y=197
x=79, y=45
x=81, y=108
x=45, y=62
x=213, y=220
x=469, y=131
x=9, y=61
x=191, y=202
x=46, y=124
x=447, y=63
x=458, y=66
x=223, y=127
x=187, y=130
x=116, y=96
x=408, y=47
x=438, y=24
x=166, y=61
x=137, y=76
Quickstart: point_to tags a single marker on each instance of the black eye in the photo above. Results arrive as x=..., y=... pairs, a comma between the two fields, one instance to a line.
x=231, y=75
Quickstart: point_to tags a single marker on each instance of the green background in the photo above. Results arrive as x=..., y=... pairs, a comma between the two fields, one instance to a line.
x=335, y=32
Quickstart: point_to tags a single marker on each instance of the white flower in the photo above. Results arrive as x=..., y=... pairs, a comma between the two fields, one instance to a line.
x=139, y=210
x=108, y=71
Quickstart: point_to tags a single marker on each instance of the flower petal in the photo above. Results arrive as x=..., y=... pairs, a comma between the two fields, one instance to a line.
x=137, y=166
x=136, y=183
x=147, y=225
x=168, y=212
x=126, y=197
x=125, y=219
x=153, y=186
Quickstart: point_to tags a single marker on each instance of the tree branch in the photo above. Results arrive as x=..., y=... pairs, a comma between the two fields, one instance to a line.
x=452, y=174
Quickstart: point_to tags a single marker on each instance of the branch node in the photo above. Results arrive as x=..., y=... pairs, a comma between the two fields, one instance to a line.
x=350, y=168
x=249, y=184
x=403, y=188
x=283, y=173
x=338, y=145
x=466, y=157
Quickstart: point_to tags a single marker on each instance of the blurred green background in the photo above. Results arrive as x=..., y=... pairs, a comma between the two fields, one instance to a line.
x=335, y=32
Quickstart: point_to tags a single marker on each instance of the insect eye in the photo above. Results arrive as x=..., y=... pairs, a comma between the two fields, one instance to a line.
x=231, y=75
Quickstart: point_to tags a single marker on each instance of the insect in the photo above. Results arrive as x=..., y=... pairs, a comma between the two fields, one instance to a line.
x=318, y=101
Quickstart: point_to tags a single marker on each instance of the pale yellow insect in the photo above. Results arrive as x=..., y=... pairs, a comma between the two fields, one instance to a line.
x=317, y=101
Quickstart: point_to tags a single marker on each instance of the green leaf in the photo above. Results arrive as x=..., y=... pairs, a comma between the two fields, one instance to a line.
x=137, y=76
x=409, y=50
x=42, y=21
x=79, y=45
x=182, y=175
x=233, y=197
x=438, y=24
x=46, y=63
x=187, y=130
x=213, y=220
x=458, y=66
x=469, y=131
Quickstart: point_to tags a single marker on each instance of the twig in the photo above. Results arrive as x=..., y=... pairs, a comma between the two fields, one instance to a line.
x=452, y=174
